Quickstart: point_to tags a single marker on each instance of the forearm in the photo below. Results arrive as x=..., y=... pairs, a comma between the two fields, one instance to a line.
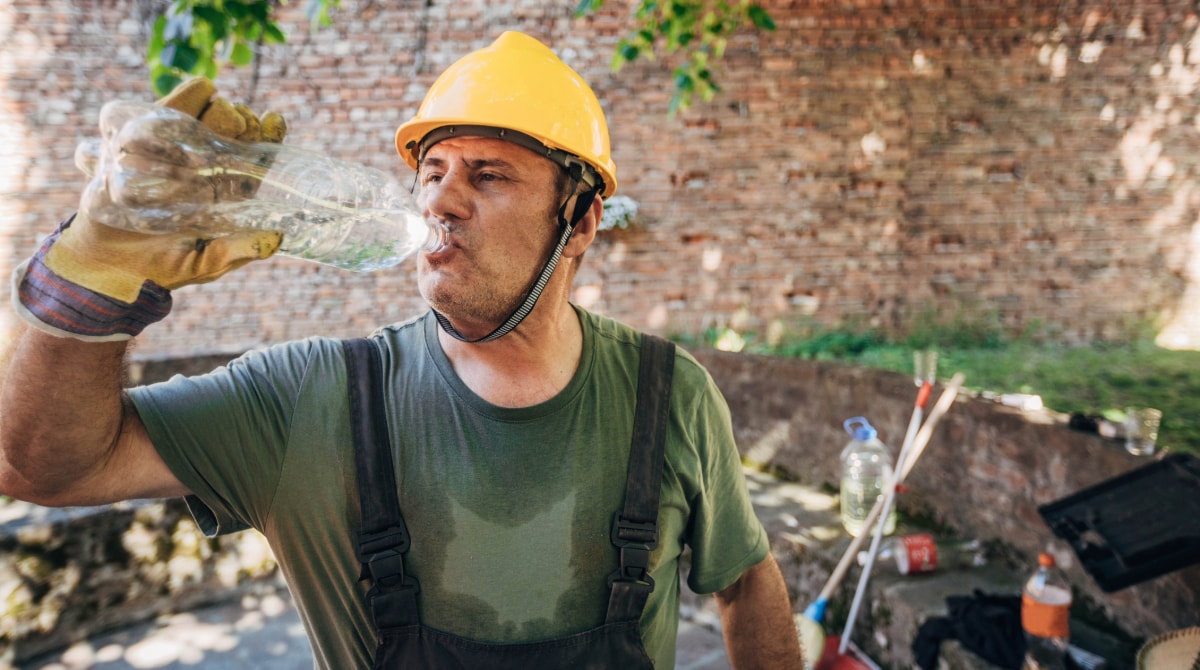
x=60, y=414
x=756, y=618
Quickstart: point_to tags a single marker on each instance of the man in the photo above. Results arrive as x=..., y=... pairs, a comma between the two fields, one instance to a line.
x=510, y=413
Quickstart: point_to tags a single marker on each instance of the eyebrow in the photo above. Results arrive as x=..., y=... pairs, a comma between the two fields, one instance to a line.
x=474, y=163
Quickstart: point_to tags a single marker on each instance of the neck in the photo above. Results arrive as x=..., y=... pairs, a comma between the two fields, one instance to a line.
x=529, y=365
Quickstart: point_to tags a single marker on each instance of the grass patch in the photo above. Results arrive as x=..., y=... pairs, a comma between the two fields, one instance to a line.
x=1099, y=379
x=1088, y=380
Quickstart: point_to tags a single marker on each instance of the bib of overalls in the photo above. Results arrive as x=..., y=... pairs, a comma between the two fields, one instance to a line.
x=403, y=642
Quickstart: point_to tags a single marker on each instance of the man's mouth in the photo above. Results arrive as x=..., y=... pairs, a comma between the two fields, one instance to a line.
x=439, y=240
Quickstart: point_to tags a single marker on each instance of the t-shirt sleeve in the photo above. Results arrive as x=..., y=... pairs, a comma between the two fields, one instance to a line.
x=725, y=535
x=224, y=434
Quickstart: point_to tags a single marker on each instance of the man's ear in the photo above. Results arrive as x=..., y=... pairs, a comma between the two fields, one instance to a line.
x=585, y=229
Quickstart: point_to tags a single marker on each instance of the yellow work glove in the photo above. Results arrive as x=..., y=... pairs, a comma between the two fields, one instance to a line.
x=95, y=282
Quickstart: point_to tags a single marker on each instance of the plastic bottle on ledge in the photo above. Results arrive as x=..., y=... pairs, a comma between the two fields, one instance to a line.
x=920, y=553
x=1045, y=616
x=157, y=170
x=866, y=469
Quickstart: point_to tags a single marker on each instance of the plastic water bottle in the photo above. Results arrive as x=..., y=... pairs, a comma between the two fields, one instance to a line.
x=866, y=469
x=921, y=552
x=1045, y=616
x=158, y=170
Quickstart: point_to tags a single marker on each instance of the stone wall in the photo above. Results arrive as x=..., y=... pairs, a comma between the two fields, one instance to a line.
x=876, y=163
x=68, y=573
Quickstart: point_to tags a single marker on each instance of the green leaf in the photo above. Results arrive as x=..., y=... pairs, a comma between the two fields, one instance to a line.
x=251, y=32
x=217, y=19
x=259, y=11
x=165, y=81
x=718, y=47
x=646, y=9
x=618, y=61
x=211, y=33
x=273, y=35
x=238, y=10
x=586, y=6
x=180, y=55
x=760, y=18
x=154, y=48
x=628, y=51
x=684, y=81
x=242, y=54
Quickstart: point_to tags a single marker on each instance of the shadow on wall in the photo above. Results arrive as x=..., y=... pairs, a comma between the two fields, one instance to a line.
x=1146, y=155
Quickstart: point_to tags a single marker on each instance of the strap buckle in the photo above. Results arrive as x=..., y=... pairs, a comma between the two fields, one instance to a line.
x=392, y=537
x=635, y=541
x=385, y=570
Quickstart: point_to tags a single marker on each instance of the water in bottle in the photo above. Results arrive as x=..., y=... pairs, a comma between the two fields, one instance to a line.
x=157, y=170
x=866, y=469
x=1045, y=616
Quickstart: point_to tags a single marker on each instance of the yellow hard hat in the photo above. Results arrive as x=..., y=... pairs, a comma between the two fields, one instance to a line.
x=514, y=89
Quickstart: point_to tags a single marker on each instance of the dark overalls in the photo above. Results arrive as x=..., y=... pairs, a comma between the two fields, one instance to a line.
x=383, y=539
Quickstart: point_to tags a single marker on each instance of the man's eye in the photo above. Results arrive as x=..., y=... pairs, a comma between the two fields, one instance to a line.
x=430, y=178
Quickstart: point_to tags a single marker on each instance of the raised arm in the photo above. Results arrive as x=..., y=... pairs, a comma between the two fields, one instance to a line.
x=756, y=620
x=66, y=437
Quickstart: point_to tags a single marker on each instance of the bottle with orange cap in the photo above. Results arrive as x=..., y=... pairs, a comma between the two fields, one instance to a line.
x=1045, y=616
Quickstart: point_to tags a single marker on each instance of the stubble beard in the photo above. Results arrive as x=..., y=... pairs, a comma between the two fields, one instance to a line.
x=484, y=305
x=469, y=300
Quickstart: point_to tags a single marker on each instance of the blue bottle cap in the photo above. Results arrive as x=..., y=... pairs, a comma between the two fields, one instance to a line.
x=859, y=428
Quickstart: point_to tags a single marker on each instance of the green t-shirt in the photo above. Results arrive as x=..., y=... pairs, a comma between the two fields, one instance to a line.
x=509, y=509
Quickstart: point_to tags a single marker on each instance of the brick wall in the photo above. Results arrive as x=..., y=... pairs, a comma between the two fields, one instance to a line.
x=871, y=163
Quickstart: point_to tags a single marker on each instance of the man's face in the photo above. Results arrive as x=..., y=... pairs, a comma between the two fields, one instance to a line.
x=499, y=202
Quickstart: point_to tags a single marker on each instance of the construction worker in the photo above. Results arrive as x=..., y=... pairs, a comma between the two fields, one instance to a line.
x=518, y=489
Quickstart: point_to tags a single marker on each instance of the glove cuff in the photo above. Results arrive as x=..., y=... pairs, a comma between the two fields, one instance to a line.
x=63, y=308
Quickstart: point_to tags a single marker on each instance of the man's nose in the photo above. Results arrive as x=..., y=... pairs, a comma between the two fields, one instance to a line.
x=449, y=197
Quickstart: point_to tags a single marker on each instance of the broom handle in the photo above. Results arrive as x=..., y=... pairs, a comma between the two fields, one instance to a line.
x=888, y=499
x=919, y=443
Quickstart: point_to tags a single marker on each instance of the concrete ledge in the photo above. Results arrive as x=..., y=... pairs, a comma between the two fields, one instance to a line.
x=983, y=475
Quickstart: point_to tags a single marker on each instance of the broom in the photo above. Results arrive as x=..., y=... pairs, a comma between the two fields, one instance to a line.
x=812, y=633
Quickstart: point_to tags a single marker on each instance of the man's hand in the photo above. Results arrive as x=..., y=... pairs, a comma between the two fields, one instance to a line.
x=198, y=97
x=99, y=283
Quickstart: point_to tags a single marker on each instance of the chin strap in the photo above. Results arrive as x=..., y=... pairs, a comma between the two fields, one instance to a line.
x=582, y=203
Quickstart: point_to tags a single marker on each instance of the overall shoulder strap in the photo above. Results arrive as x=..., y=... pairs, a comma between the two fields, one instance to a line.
x=383, y=537
x=635, y=527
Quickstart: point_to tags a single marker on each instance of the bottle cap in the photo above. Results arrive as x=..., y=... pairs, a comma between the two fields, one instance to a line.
x=859, y=428
x=1046, y=560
